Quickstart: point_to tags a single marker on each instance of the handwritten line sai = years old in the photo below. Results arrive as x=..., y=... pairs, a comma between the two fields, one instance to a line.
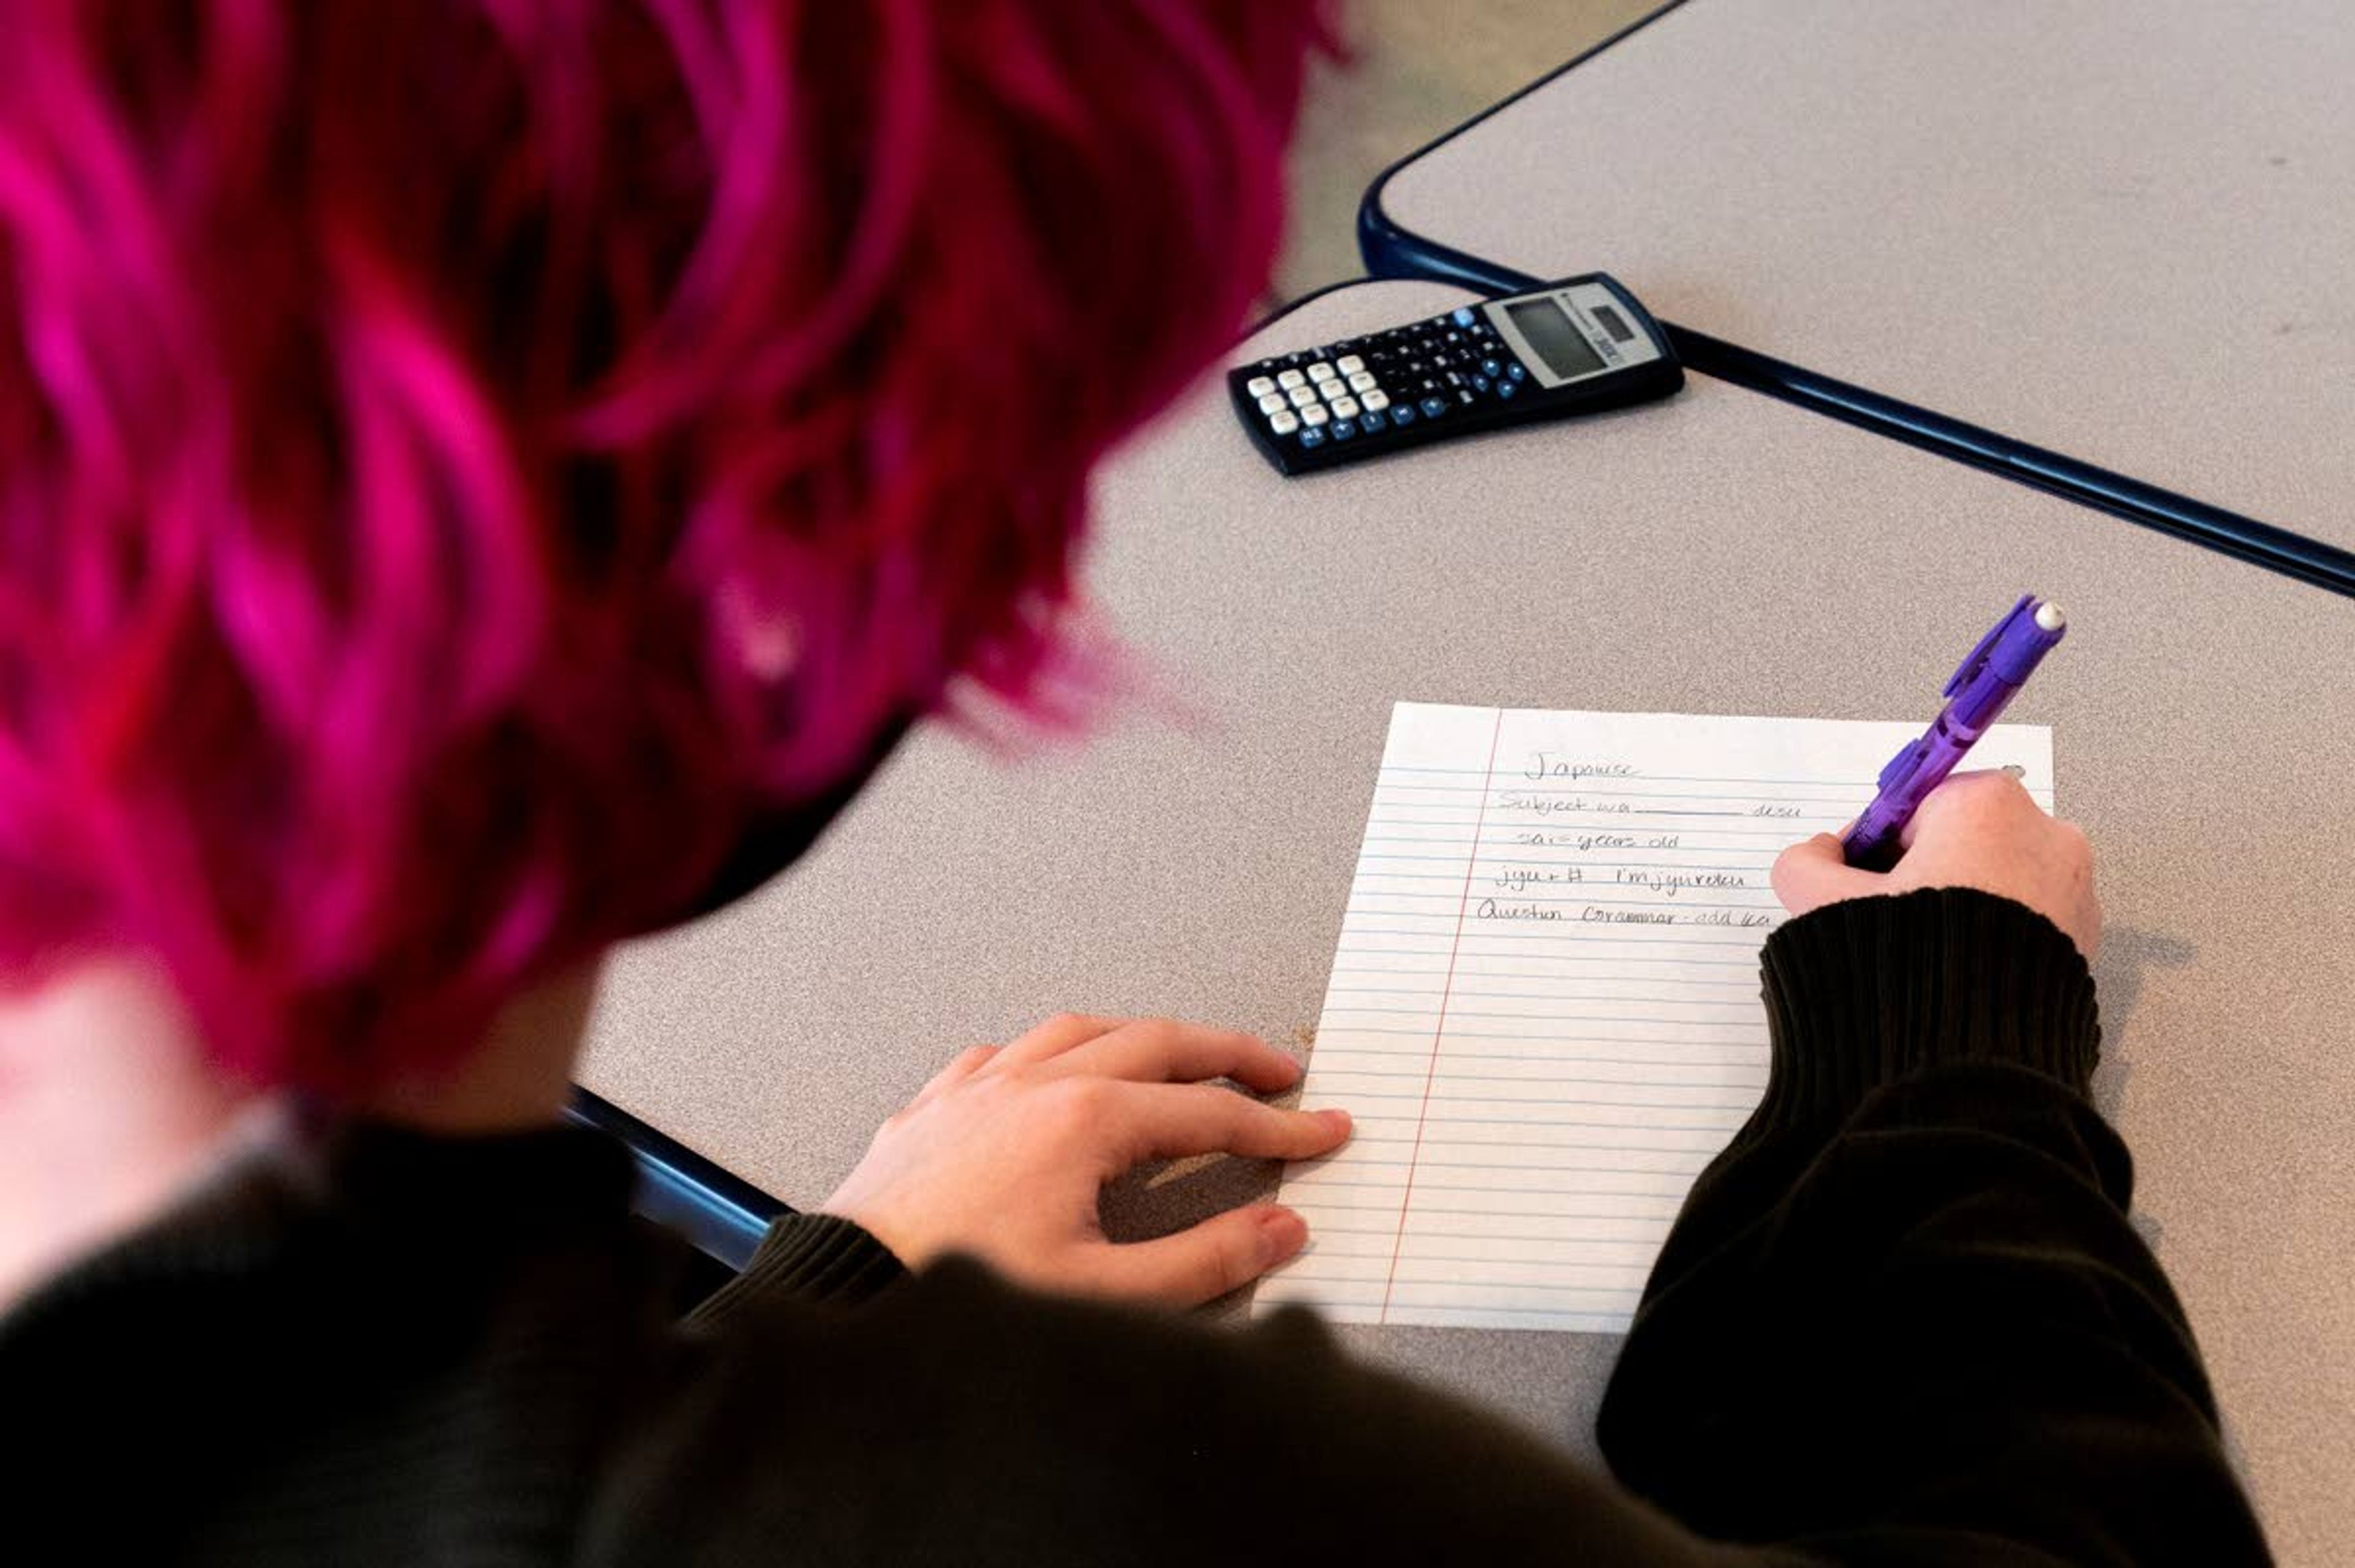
x=1544, y=1009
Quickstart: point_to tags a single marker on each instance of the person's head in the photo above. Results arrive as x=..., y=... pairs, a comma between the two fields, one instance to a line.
x=467, y=467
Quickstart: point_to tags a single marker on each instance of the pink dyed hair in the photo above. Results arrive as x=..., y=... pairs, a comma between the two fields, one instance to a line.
x=461, y=462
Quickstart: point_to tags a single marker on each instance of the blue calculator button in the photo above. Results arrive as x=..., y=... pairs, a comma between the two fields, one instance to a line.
x=1344, y=429
x=1506, y=388
x=1479, y=383
x=1490, y=368
x=1463, y=316
x=1434, y=406
x=1371, y=421
x=1312, y=436
x=1518, y=374
x=1403, y=414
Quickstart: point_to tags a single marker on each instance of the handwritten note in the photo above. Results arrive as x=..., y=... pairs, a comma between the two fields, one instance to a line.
x=1544, y=1009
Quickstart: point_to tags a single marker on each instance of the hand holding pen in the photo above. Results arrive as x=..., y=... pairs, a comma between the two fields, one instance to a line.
x=1929, y=826
x=1976, y=830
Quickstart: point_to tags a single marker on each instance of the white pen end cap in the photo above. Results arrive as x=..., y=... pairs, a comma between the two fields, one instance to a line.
x=2049, y=617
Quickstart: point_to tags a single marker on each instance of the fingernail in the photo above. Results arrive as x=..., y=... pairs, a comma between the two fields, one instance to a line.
x=1282, y=1234
x=1339, y=1120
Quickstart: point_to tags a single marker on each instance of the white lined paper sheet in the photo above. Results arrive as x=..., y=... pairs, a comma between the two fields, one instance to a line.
x=1544, y=1010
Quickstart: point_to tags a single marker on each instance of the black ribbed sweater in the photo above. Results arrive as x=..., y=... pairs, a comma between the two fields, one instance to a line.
x=1903, y=1318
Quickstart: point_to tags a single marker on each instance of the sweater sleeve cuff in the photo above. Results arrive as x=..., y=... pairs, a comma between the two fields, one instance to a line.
x=1866, y=991
x=807, y=1259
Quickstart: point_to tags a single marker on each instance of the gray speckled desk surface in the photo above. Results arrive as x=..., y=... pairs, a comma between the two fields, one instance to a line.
x=1720, y=553
x=2119, y=230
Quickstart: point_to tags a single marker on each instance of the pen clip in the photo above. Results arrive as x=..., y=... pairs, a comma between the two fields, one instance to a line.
x=1978, y=655
x=1901, y=766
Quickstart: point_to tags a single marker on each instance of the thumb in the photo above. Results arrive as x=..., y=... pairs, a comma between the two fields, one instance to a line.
x=1813, y=873
x=1203, y=1262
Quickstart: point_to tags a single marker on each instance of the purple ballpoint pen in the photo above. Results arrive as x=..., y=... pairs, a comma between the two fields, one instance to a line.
x=1999, y=667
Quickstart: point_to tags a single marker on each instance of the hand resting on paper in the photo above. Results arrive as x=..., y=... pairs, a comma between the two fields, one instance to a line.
x=1004, y=1154
x=1976, y=830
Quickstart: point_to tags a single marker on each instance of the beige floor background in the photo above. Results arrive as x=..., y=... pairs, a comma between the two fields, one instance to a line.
x=1417, y=69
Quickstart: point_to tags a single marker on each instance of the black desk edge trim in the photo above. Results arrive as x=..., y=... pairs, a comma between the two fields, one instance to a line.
x=1311, y=297
x=1394, y=250
x=1377, y=236
x=722, y=1213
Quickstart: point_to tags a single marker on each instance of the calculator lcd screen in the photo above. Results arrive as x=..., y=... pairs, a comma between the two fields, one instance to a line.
x=1549, y=330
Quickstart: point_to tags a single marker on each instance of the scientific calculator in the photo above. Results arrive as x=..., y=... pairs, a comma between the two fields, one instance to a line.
x=1570, y=347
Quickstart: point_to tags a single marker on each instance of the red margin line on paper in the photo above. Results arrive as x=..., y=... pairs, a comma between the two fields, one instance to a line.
x=1446, y=990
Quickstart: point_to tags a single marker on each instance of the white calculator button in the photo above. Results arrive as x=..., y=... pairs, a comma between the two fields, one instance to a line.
x=1351, y=364
x=1283, y=421
x=1312, y=414
x=1271, y=403
x=1321, y=371
x=1362, y=380
x=1376, y=401
x=1344, y=408
x=1288, y=379
x=1302, y=396
x=1260, y=386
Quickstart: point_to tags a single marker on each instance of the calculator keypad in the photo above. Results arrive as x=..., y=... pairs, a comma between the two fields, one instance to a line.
x=1367, y=386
